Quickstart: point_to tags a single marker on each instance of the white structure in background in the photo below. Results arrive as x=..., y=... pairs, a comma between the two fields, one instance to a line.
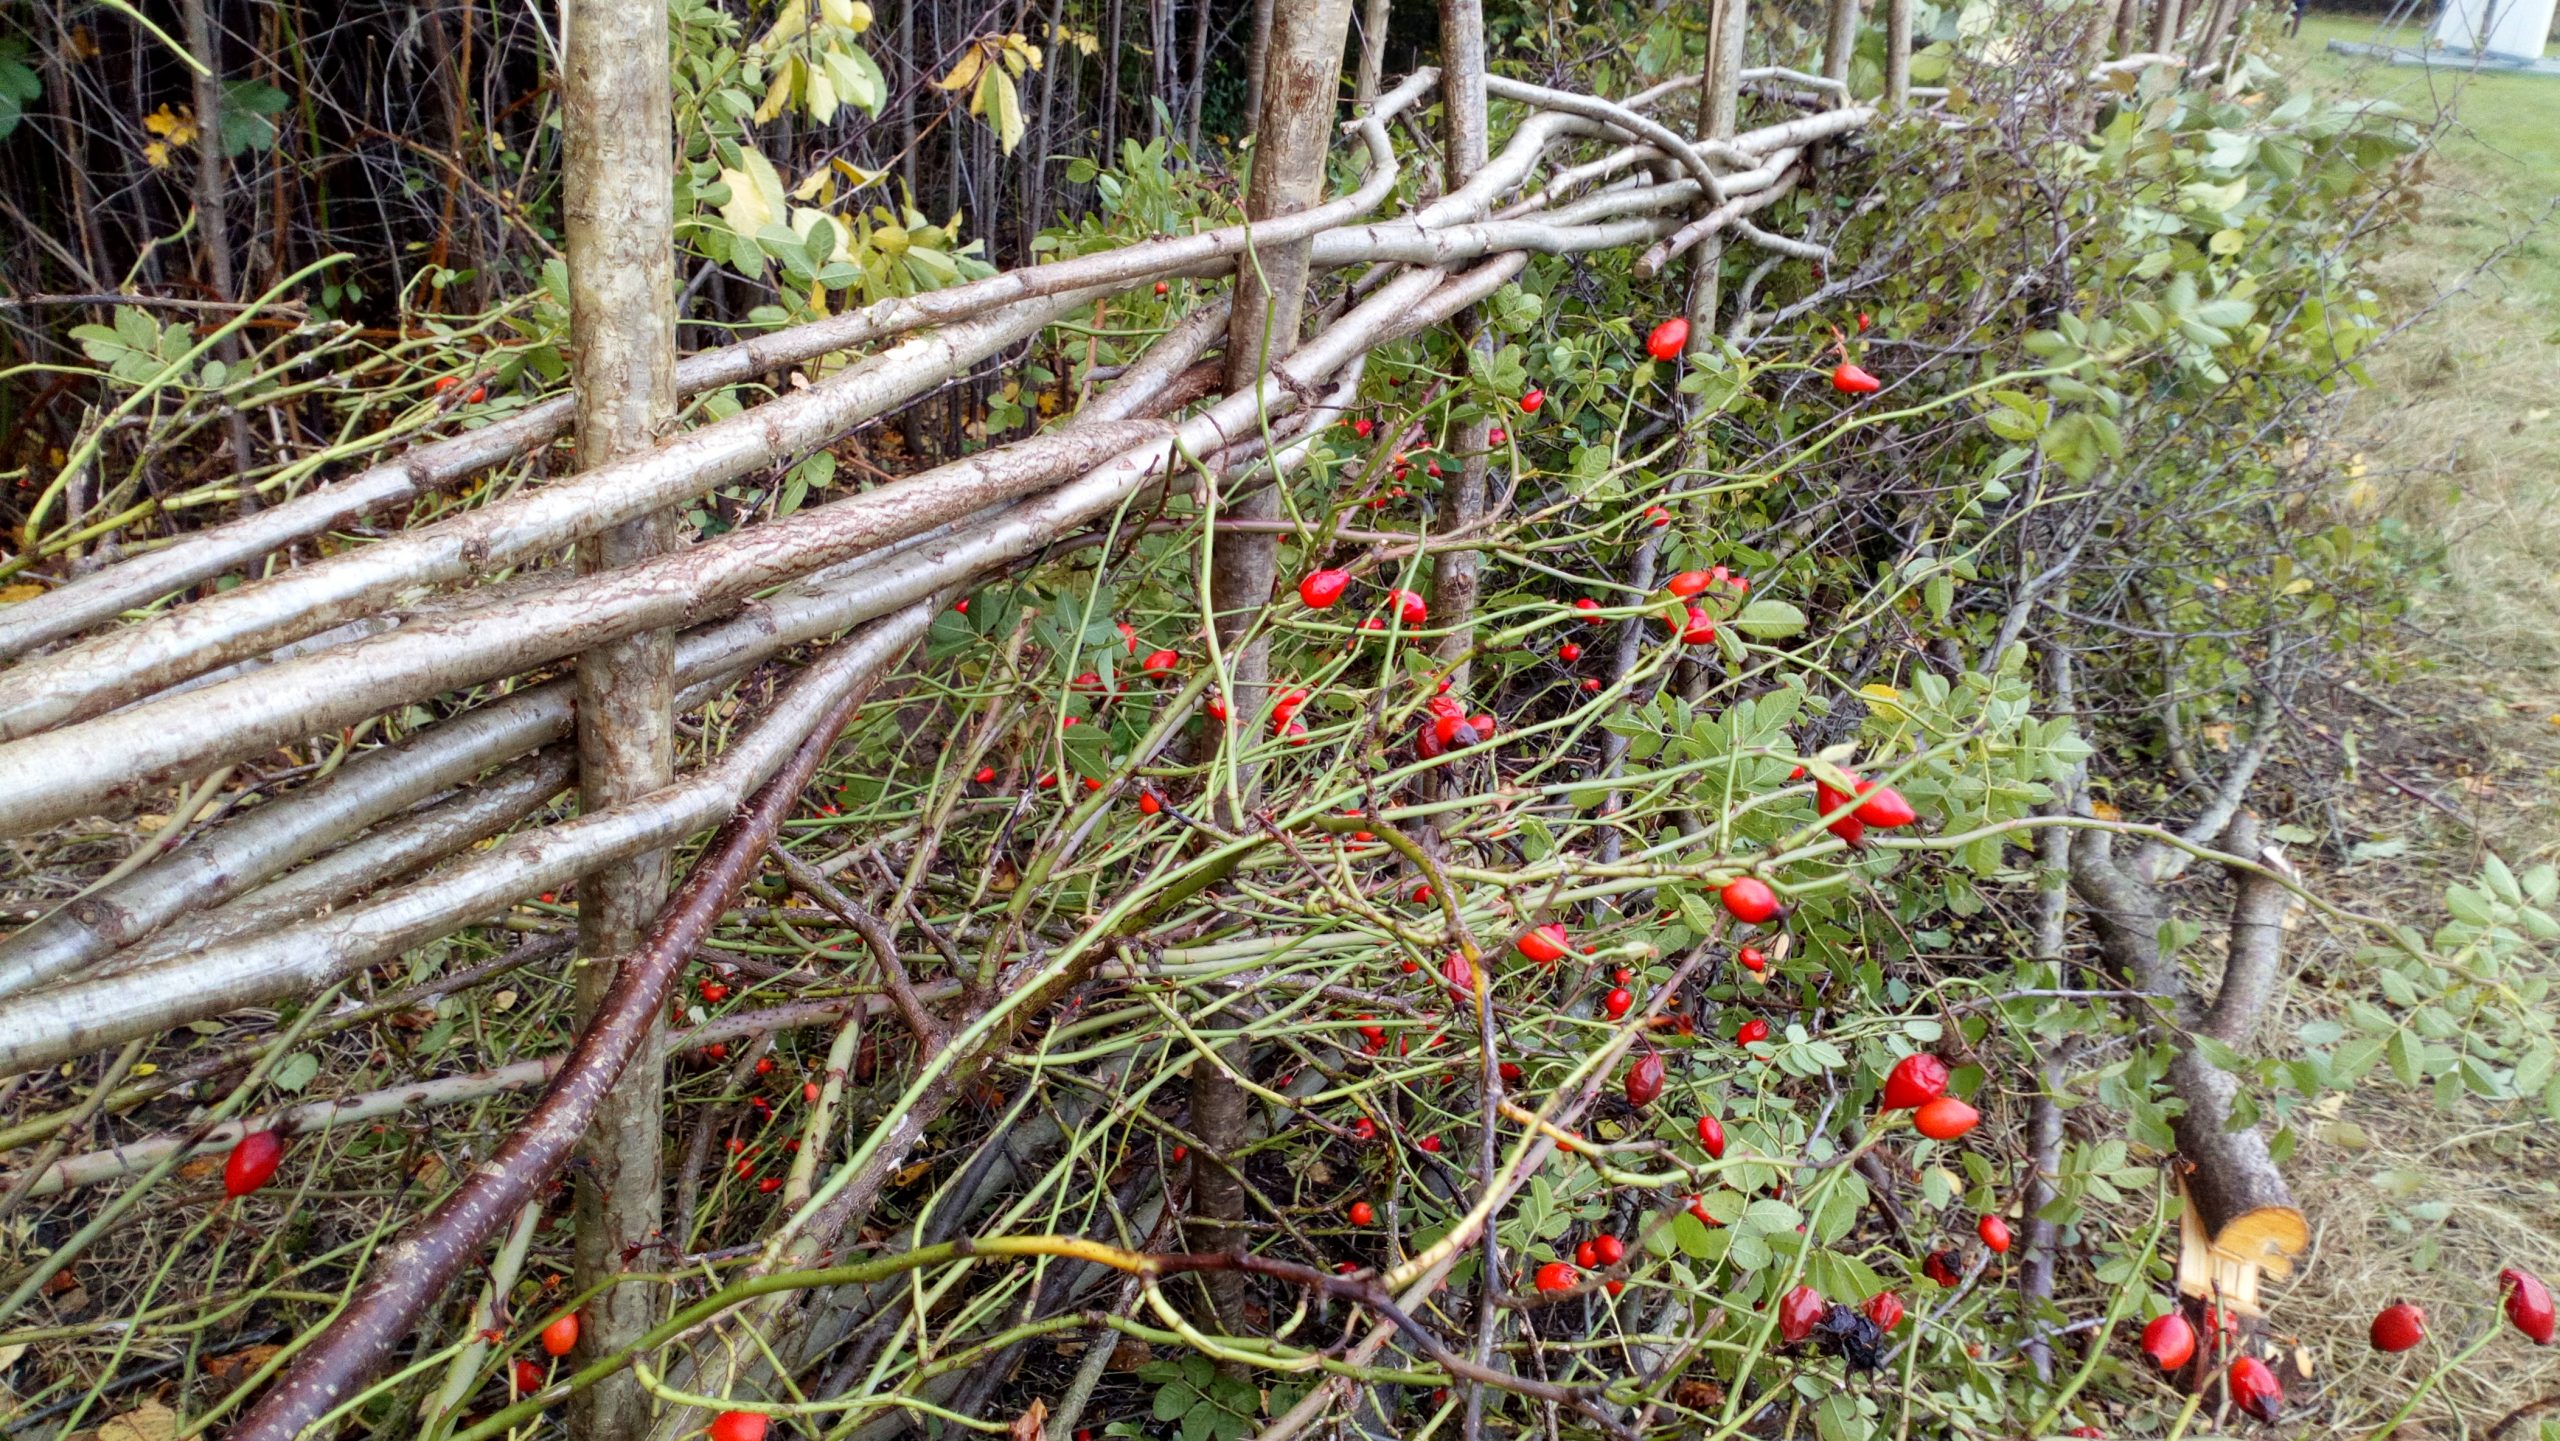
x=2508, y=29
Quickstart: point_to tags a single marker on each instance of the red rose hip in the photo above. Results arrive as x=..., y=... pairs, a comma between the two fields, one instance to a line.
x=1322, y=588
x=1915, y=1081
x=1797, y=1312
x=252, y=1162
x=1945, y=1118
x=1546, y=944
x=1711, y=1136
x=2398, y=1327
x=1748, y=899
x=2169, y=1341
x=2528, y=1304
x=2253, y=1389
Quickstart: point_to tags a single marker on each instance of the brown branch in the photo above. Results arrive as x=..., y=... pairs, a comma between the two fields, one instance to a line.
x=415, y=1270
x=893, y=974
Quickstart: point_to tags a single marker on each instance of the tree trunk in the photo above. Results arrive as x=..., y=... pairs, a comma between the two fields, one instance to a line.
x=1719, y=100
x=2128, y=29
x=1035, y=175
x=2164, y=26
x=619, y=178
x=1113, y=23
x=1191, y=101
x=213, y=222
x=1293, y=130
x=2040, y=1239
x=1454, y=572
x=1843, y=43
x=1897, y=53
x=1373, y=47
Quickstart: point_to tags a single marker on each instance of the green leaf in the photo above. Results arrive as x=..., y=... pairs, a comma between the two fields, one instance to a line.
x=296, y=1072
x=2221, y=1057
x=2407, y=1058
x=1769, y=620
x=1839, y=1418
x=246, y=108
x=20, y=85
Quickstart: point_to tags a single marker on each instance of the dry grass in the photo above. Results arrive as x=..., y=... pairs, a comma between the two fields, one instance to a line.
x=2459, y=438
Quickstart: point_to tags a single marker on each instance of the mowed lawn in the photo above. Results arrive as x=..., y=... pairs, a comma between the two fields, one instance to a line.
x=2461, y=428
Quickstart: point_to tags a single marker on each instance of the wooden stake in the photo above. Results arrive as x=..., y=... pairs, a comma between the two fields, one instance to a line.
x=618, y=168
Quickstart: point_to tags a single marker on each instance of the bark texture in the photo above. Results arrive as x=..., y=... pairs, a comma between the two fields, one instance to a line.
x=1897, y=53
x=1842, y=44
x=1719, y=102
x=2240, y=1196
x=618, y=174
x=1454, y=572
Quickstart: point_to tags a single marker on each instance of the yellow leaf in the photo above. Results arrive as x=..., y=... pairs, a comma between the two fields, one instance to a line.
x=157, y=154
x=965, y=74
x=789, y=24
x=855, y=175
x=177, y=127
x=11, y=595
x=755, y=195
x=1883, y=698
x=2104, y=811
x=778, y=94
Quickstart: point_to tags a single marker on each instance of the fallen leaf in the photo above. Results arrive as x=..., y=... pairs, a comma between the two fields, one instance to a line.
x=1698, y=1395
x=1026, y=1427
x=149, y=1421
x=240, y=1362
